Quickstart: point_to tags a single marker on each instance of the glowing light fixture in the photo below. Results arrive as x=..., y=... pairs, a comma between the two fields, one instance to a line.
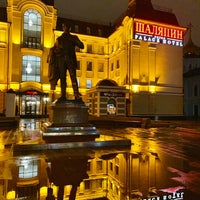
x=152, y=88
x=10, y=195
x=30, y=22
x=28, y=68
x=135, y=88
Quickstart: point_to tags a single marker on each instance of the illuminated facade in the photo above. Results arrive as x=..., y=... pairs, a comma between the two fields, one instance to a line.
x=142, y=52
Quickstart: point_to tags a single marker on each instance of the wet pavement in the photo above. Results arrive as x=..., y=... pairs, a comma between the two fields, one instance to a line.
x=163, y=163
x=177, y=152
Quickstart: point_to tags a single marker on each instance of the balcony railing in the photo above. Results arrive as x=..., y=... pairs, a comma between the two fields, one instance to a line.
x=32, y=42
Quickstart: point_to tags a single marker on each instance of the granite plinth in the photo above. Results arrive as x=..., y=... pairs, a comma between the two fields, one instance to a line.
x=68, y=122
x=68, y=112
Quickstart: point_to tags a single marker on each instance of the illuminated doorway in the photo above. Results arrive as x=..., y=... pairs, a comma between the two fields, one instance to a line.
x=30, y=103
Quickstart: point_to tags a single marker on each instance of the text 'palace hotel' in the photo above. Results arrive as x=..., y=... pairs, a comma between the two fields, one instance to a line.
x=131, y=67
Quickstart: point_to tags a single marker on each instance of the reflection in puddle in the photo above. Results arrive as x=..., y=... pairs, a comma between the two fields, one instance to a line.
x=161, y=164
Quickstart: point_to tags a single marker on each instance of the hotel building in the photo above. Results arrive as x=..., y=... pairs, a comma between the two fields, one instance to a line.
x=141, y=53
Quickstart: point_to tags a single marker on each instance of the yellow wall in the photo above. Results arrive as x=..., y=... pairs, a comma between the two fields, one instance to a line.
x=145, y=68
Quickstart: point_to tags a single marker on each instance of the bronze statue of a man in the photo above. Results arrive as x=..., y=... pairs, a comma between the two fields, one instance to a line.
x=66, y=60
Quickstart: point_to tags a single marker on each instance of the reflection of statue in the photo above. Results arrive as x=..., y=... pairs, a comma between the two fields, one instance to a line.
x=65, y=59
x=67, y=171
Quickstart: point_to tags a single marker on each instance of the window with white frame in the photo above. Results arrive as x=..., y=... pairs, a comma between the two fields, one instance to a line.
x=28, y=168
x=88, y=83
x=32, y=29
x=31, y=68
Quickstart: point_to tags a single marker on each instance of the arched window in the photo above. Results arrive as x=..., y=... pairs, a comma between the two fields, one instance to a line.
x=31, y=68
x=32, y=29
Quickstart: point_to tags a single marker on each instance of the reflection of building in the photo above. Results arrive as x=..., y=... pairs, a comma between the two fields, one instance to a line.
x=141, y=51
x=26, y=178
x=115, y=176
x=191, y=75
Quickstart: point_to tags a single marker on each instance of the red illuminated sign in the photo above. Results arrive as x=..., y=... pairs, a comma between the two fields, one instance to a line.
x=159, y=33
x=31, y=92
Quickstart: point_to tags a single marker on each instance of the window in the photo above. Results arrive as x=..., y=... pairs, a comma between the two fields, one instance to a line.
x=111, y=166
x=112, y=49
x=117, y=190
x=101, y=67
x=101, y=50
x=88, y=83
x=196, y=110
x=99, y=183
x=112, y=66
x=76, y=28
x=89, y=66
x=99, y=165
x=117, y=170
x=111, y=185
x=99, y=32
x=89, y=48
x=116, y=160
x=28, y=168
x=87, y=184
x=195, y=90
x=118, y=65
x=32, y=29
x=31, y=68
x=88, y=30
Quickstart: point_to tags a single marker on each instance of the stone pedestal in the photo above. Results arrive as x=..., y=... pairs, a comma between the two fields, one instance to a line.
x=68, y=122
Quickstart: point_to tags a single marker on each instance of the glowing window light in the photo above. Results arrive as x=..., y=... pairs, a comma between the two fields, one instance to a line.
x=152, y=88
x=30, y=22
x=43, y=191
x=135, y=88
x=10, y=195
x=28, y=68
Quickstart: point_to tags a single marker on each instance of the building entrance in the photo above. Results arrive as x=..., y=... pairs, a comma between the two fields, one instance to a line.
x=30, y=105
x=32, y=102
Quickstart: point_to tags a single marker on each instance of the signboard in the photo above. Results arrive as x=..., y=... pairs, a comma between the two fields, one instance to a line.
x=112, y=94
x=149, y=31
x=172, y=196
x=31, y=92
